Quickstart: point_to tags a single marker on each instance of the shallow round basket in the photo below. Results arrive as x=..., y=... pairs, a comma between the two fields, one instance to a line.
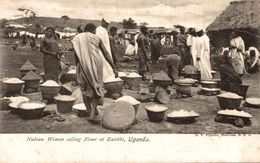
x=155, y=116
x=209, y=84
x=64, y=106
x=32, y=84
x=114, y=87
x=239, y=89
x=133, y=82
x=31, y=113
x=48, y=93
x=13, y=88
x=229, y=103
x=184, y=89
x=162, y=83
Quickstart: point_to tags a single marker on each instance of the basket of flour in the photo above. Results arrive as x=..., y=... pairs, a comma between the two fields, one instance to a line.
x=113, y=85
x=32, y=109
x=13, y=85
x=49, y=89
x=229, y=100
x=64, y=103
x=133, y=81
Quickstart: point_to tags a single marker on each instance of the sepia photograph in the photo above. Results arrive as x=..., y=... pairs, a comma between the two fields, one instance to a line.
x=169, y=67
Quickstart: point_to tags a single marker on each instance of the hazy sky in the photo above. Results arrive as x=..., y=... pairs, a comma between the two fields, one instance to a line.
x=196, y=13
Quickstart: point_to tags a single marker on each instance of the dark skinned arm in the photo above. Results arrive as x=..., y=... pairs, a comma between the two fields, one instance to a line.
x=107, y=57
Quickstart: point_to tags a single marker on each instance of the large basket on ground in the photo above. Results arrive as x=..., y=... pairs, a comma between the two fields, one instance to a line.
x=48, y=92
x=184, y=89
x=239, y=89
x=229, y=103
x=13, y=88
x=114, y=87
x=64, y=103
x=33, y=112
x=156, y=115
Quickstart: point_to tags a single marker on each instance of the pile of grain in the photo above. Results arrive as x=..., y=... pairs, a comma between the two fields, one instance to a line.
x=13, y=81
x=50, y=83
x=122, y=74
x=235, y=113
x=32, y=105
x=73, y=71
x=80, y=106
x=230, y=95
x=64, y=98
x=128, y=99
x=112, y=79
x=182, y=113
x=133, y=75
x=156, y=108
x=253, y=101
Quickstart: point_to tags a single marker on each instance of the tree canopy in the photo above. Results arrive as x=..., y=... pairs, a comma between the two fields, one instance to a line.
x=65, y=18
x=129, y=24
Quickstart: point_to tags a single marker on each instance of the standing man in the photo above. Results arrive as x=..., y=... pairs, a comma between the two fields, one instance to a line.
x=182, y=45
x=102, y=33
x=191, y=40
x=143, y=51
x=203, y=55
x=237, y=49
x=155, y=48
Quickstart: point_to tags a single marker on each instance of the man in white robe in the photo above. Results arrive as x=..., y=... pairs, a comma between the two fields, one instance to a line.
x=102, y=33
x=191, y=42
x=203, y=55
x=136, y=45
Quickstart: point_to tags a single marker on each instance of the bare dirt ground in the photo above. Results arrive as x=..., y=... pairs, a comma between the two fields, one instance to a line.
x=206, y=106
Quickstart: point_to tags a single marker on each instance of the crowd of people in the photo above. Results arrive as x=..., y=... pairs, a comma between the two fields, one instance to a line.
x=97, y=53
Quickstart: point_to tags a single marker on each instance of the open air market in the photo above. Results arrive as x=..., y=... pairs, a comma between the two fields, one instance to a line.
x=103, y=76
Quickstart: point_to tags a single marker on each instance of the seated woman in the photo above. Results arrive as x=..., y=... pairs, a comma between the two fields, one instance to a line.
x=253, y=60
x=228, y=73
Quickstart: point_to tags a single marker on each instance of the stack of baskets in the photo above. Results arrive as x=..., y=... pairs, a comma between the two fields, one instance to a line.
x=28, y=66
x=32, y=81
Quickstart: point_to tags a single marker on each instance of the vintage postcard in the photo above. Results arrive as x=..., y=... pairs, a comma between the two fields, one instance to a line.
x=130, y=81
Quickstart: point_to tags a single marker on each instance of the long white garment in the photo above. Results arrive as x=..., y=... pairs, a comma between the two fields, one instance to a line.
x=136, y=45
x=130, y=50
x=102, y=33
x=257, y=60
x=191, y=41
x=237, y=57
x=203, y=52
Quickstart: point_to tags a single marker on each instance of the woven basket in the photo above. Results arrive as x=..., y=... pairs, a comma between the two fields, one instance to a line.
x=64, y=106
x=239, y=89
x=228, y=103
x=32, y=84
x=155, y=116
x=24, y=72
x=114, y=87
x=162, y=83
x=13, y=88
x=33, y=113
x=48, y=93
x=35, y=96
x=184, y=89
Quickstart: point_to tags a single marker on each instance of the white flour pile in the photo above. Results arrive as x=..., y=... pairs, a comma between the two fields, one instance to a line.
x=13, y=81
x=50, y=83
x=235, y=113
x=133, y=75
x=208, y=82
x=122, y=74
x=253, y=101
x=156, y=108
x=80, y=106
x=230, y=95
x=18, y=99
x=32, y=105
x=210, y=89
x=128, y=99
x=182, y=113
x=64, y=98
x=112, y=79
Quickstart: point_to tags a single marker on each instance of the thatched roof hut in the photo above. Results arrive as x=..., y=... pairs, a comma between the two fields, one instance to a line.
x=241, y=16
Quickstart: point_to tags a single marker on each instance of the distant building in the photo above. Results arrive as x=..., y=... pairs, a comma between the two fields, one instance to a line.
x=241, y=16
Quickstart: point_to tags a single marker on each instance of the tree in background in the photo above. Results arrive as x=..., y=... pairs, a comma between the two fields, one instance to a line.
x=65, y=18
x=27, y=13
x=143, y=24
x=129, y=24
